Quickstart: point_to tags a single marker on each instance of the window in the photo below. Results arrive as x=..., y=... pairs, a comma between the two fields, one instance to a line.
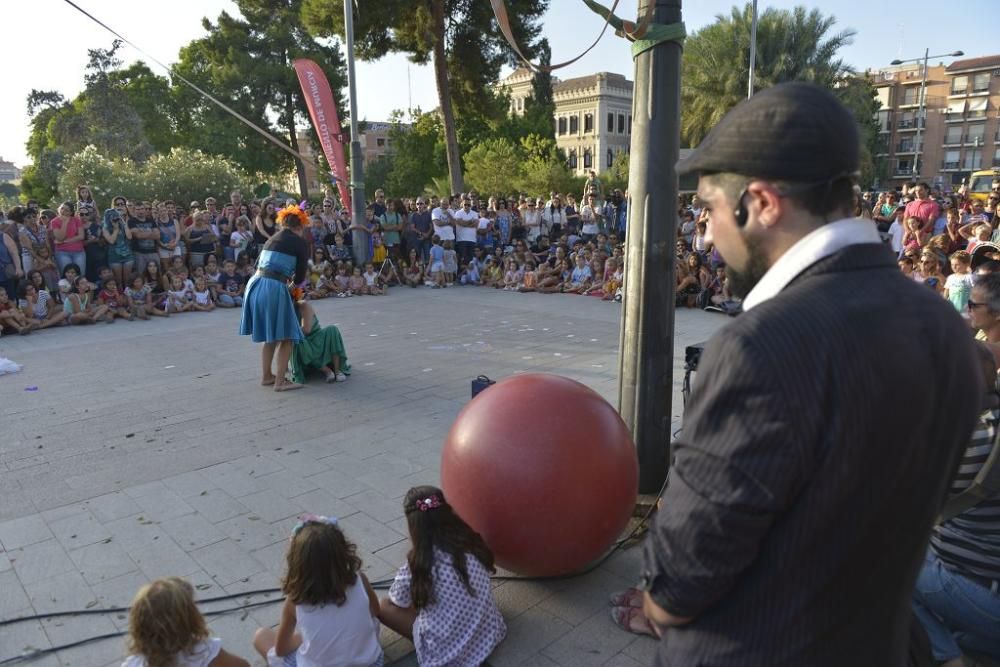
x=588, y=123
x=975, y=133
x=588, y=159
x=611, y=157
x=996, y=158
x=572, y=158
x=950, y=160
x=562, y=126
x=959, y=85
x=973, y=161
x=903, y=166
x=380, y=142
x=977, y=108
x=911, y=95
x=981, y=82
x=630, y=125
x=611, y=122
x=955, y=111
x=953, y=135
x=621, y=123
x=574, y=124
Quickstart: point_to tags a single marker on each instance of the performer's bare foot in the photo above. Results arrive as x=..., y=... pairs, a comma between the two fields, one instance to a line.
x=287, y=386
x=267, y=382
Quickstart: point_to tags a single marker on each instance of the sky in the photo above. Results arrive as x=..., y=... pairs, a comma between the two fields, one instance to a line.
x=46, y=44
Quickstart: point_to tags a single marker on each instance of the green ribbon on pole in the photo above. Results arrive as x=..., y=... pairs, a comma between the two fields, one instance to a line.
x=656, y=34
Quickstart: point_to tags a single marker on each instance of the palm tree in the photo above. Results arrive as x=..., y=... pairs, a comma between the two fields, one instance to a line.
x=791, y=46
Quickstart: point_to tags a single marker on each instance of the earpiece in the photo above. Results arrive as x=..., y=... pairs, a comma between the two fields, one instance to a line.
x=741, y=210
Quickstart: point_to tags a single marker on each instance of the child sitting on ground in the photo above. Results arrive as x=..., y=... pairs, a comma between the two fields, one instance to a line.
x=230, y=286
x=165, y=627
x=330, y=609
x=140, y=299
x=441, y=596
x=115, y=301
x=373, y=281
x=203, y=300
x=342, y=282
x=357, y=282
x=529, y=281
x=12, y=319
x=325, y=285
x=179, y=297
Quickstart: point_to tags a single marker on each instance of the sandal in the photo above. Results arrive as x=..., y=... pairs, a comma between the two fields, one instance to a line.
x=631, y=619
x=630, y=597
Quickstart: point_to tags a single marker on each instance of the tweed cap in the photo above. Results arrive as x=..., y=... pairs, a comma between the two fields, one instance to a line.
x=794, y=132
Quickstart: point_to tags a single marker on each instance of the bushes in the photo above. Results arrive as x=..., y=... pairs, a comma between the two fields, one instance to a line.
x=183, y=175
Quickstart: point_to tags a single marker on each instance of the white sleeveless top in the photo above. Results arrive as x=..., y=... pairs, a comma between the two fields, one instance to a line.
x=344, y=636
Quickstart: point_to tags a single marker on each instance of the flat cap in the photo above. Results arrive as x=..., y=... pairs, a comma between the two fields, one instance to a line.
x=794, y=132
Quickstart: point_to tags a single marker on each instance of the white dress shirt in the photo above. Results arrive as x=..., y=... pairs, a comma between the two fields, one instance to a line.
x=811, y=248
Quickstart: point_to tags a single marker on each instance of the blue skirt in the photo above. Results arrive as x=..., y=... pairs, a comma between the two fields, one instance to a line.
x=268, y=312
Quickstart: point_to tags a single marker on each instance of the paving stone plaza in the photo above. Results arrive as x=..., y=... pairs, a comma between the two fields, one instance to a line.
x=147, y=449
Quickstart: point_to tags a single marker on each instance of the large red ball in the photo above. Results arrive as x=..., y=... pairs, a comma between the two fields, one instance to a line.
x=544, y=469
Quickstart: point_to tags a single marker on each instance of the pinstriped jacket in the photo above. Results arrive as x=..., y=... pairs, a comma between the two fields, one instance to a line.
x=823, y=429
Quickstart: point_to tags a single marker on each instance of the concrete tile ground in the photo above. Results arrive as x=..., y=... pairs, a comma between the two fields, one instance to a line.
x=149, y=449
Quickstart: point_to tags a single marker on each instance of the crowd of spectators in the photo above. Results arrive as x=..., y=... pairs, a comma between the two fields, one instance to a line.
x=138, y=258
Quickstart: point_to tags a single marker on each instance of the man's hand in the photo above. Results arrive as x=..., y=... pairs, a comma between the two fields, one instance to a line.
x=659, y=616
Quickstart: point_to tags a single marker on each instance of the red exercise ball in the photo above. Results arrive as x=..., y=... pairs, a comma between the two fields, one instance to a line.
x=544, y=469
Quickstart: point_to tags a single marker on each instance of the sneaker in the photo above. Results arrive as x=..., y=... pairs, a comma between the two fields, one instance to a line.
x=341, y=377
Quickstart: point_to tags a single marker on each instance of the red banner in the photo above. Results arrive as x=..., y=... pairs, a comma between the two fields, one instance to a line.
x=323, y=111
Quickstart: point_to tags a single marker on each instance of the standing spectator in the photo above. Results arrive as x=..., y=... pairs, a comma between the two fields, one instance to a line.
x=67, y=233
x=117, y=235
x=592, y=187
x=168, y=236
x=466, y=226
x=444, y=228
x=420, y=230
x=32, y=237
x=762, y=551
x=554, y=218
x=923, y=207
x=94, y=246
x=85, y=202
x=200, y=239
x=145, y=235
x=532, y=220
x=393, y=224
x=10, y=258
x=590, y=218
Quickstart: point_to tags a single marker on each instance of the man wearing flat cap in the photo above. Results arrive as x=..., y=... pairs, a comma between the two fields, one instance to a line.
x=811, y=464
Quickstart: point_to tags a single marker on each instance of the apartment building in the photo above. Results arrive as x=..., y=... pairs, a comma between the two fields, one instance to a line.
x=947, y=135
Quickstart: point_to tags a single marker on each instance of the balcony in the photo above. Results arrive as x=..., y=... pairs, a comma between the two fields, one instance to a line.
x=907, y=147
x=972, y=165
x=969, y=140
x=949, y=166
x=952, y=141
x=910, y=124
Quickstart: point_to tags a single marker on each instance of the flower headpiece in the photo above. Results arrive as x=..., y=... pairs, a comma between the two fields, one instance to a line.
x=428, y=503
x=306, y=519
x=293, y=210
x=297, y=292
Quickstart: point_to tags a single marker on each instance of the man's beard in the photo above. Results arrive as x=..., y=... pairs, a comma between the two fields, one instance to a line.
x=742, y=281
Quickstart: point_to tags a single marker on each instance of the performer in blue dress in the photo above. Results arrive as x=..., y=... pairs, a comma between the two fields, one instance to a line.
x=269, y=315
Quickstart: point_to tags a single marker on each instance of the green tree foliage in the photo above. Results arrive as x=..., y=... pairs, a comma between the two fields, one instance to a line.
x=459, y=37
x=858, y=94
x=617, y=176
x=152, y=98
x=115, y=128
x=792, y=45
x=493, y=166
x=246, y=61
x=418, y=156
x=183, y=175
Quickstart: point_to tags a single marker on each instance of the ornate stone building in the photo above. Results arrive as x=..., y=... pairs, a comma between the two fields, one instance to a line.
x=593, y=119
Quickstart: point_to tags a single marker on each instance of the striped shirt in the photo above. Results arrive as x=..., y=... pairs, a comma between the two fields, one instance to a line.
x=970, y=542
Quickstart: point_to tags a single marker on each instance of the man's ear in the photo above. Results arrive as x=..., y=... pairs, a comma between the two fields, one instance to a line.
x=763, y=199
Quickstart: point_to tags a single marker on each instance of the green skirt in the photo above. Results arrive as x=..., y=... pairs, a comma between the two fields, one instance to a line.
x=318, y=349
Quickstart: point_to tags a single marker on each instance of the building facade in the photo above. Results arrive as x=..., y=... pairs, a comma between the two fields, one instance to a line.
x=8, y=172
x=959, y=130
x=593, y=115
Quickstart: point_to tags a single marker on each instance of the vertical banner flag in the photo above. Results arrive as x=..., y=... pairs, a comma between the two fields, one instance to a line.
x=323, y=112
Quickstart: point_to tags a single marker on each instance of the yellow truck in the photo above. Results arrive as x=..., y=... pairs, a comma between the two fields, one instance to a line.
x=981, y=182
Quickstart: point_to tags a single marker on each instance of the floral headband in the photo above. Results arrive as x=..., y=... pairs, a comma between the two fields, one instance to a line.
x=428, y=503
x=306, y=519
x=295, y=211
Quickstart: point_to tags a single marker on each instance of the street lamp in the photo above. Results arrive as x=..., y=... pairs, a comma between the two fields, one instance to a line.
x=918, y=147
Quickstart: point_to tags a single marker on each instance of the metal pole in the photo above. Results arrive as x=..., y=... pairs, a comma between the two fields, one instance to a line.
x=920, y=119
x=359, y=239
x=753, y=49
x=646, y=341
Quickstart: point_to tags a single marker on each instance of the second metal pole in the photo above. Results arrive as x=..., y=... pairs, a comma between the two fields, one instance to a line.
x=646, y=342
x=753, y=49
x=359, y=240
